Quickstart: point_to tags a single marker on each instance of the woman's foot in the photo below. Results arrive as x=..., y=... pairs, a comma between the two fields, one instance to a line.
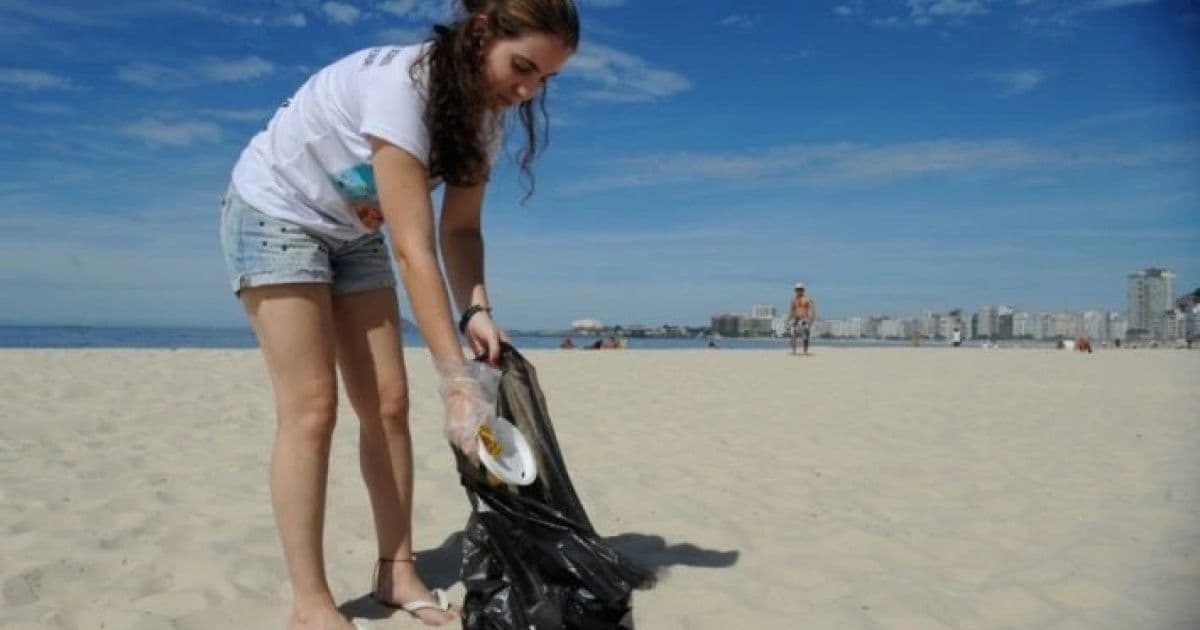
x=398, y=584
x=318, y=618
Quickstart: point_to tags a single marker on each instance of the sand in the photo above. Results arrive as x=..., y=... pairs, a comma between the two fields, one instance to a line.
x=857, y=488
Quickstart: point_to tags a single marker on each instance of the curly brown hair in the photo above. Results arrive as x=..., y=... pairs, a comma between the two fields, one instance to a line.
x=457, y=109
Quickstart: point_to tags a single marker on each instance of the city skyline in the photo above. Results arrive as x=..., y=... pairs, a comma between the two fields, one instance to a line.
x=1152, y=311
x=1182, y=289
x=895, y=156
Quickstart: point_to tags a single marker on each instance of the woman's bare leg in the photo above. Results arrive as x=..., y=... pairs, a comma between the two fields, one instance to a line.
x=294, y=325
x=372, y=363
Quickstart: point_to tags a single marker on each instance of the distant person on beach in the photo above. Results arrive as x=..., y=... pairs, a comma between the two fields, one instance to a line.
x=355, y=152
x=1083, y=344
x=801, y=316
x=956, y=338
x=567, y=343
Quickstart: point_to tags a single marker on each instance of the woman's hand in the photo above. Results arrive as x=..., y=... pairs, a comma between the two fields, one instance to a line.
x=467, y=409
x=484, y=336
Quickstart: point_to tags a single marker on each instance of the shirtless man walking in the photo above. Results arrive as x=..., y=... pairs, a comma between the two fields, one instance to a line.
x=801, y=316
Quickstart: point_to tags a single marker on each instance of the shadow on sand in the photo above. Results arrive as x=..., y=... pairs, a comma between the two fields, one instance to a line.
x=439, y=566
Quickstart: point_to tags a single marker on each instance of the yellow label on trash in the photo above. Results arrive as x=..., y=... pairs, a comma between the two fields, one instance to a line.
x=489, y=441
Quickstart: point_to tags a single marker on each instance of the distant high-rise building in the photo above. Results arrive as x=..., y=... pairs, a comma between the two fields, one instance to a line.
x=756, y=326
x=1118, y=325
x=1060, y=325
x=763, y=310
x=1004, y=322
x=727, y=324
x=871, y=326
x=1172, y=326
x=945, y=327
x=930, y=324
x=986, y=324
x=894, y=329
x=1095, y=325
x=1024, y=325
x=1151, y=293
x=1188, y=301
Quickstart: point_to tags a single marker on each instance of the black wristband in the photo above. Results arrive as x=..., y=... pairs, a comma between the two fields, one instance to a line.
x=471, y=311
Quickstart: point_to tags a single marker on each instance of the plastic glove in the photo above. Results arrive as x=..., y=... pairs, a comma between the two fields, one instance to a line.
x=469, y=390
x=466, y=411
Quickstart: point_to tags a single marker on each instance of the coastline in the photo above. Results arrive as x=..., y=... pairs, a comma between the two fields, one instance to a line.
x=34, y=337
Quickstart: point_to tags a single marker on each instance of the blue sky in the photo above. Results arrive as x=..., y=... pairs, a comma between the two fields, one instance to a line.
x=897, y=155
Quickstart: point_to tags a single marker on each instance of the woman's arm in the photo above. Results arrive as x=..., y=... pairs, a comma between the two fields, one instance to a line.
x=462, y=254
x=462, y=244
x=403, y=187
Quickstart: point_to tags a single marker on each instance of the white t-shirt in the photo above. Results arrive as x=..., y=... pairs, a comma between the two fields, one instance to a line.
x=312, y=164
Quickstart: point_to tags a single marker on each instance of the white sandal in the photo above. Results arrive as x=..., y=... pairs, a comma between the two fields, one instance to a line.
x=442, y=604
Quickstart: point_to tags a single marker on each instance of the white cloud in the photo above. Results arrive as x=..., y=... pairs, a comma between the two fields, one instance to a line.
x=401, y=36
x=151, y=75
x=31, y=80
x=848, y=163
x=920, y=12
x=341, y=13
x=418, y=10
x=399, y=8
x=1117, y=4
x=1063, y=14
x=178, y=134
x=212, y=70
x=924, y=12
x=239, y=115
x=946, y=8
x=621, y=77
x=234, y=70
x=890, y=21
x=1152, y=115
x=47, y=12
x=738, y=21
x=296, y=20
x=1019, y=81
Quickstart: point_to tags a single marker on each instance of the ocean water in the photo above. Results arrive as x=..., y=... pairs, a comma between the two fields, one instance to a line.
x=147, y=337
x=124, y=337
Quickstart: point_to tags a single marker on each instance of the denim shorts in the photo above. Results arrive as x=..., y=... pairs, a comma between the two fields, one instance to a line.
x=261, y=250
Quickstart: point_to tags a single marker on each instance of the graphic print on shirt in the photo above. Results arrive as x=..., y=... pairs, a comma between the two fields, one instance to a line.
x=353, y=179
x=357, y=185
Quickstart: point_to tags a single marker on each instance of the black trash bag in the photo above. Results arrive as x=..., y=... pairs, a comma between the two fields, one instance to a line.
x=531, y=558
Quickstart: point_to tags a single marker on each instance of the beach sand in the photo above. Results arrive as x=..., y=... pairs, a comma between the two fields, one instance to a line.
x=856, y=488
